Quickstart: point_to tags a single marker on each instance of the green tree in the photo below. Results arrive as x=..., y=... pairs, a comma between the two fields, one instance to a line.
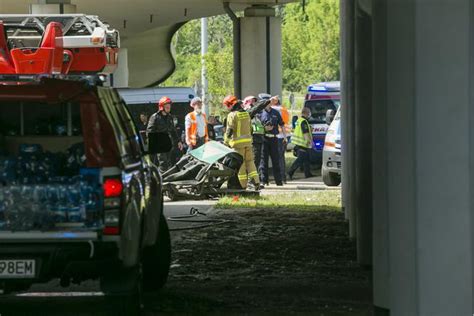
x=310, y=49
x=187, y=45
x=310, y=42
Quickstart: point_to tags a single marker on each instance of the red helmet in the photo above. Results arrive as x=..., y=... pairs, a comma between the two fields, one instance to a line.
x=230, y=101
x=163, y=101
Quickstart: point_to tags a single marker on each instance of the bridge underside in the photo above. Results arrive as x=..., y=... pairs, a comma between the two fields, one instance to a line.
x=147, y=27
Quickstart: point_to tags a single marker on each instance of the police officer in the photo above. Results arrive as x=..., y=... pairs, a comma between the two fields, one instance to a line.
x=163, y=122
x=302, y=140
x=272, y=123
x=239, y=137
x=282, y=140
x=254, y=107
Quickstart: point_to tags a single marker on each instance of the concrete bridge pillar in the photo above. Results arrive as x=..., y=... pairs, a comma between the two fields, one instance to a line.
x=53, y=7
x=257, y=51
x=423, y=139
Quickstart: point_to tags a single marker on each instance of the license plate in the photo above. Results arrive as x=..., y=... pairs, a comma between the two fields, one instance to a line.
x=17, y=269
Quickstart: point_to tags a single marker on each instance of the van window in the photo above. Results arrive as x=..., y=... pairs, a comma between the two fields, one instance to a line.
x=10, y=119
x=178, y=109
x=319, y=108
x=128, y=138
x=41, y=119
x=44, y=119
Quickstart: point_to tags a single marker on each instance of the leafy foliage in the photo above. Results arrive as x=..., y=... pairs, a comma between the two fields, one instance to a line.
x=310, y=45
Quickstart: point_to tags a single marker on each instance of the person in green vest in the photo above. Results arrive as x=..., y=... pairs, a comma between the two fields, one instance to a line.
x=302, y=139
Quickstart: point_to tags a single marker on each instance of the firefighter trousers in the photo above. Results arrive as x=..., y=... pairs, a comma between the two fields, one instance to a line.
x=247, y=171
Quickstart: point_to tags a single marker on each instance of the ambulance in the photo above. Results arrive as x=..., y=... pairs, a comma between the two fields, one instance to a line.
x=320, y=98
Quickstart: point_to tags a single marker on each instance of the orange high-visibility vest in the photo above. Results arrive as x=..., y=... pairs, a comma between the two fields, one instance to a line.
x=286, y=119
x=191, y=132
x=285, y=115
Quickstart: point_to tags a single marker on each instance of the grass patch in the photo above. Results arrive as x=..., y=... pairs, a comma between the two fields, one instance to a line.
x=329, y=200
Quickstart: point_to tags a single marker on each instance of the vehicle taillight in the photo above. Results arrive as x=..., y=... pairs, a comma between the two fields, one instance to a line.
x=113, y=188
x=111, y=231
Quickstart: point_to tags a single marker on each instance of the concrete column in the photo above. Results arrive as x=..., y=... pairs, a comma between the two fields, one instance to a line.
x=53, y=7
x=348, y=109
x=344, y=82
x=363, y=135
x=260, y=35
x=427, y=95
x=380, y=239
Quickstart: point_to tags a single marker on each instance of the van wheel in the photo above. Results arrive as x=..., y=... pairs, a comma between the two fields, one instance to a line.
x=331, y=179
x=157, y=259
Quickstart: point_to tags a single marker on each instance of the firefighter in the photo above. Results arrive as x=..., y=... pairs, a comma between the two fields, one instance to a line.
x=196, y=126
x=162, y=122
x=239, y=137
x=302, y=139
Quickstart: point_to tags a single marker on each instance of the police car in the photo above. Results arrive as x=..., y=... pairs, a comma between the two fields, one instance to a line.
x=320, y=98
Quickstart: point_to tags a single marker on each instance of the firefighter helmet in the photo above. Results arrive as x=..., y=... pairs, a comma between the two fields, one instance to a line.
x=163, y=101
x=230, y=101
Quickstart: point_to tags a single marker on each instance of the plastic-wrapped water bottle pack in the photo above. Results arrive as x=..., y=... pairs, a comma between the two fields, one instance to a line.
x=33, y=166
x=63, y=202
x=33, y=195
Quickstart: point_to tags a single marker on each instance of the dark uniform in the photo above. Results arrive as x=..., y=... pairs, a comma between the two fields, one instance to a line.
x=211, y=132
x=164, y=123
x=258, y=130
x=270, y=145
x=257, y=140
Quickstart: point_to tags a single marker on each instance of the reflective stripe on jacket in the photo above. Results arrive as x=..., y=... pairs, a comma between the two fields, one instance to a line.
x=298, y=135
x=239, y=122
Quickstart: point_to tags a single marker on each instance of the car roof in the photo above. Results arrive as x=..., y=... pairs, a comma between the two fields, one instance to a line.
x=330, y=86
x=152, y=95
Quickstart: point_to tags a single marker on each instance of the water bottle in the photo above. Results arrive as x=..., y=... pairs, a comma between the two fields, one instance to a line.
x=27, y=192
x=3, y=206
x=63, y=194
x=52, y=194
x=92, y=207
x=73, y=195
x=74, y=214
x=59, y=213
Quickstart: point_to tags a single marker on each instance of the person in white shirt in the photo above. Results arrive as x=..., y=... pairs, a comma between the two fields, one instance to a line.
x=196, y=126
